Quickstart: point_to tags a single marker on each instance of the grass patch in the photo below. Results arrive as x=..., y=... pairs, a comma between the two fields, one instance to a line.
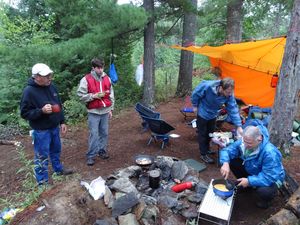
x=30, y=191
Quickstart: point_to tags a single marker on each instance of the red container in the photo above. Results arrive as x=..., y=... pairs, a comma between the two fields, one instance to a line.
x=183, y=186
x=55, y=108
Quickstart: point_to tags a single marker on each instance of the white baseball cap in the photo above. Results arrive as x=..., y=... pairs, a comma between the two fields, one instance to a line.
x=41, y=69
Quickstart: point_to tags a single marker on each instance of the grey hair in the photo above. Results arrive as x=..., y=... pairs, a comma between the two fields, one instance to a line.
x=227, y=83
x=252, y=132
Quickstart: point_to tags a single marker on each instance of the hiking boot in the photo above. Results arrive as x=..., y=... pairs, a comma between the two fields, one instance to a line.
x=90, y=162
x=210, y=152
x=103, y=155
x=263, y=204
x=65, y=172
x=207, y=159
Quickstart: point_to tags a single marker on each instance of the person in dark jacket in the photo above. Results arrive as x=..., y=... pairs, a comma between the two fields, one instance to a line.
x=207, y=100
x=255, y=162
x=41, y=106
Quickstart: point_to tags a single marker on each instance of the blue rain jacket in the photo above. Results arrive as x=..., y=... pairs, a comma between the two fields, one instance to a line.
x=264, y=164
x=205, y=97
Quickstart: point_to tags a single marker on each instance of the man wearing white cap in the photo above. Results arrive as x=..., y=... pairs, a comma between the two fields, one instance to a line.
x=41, y=106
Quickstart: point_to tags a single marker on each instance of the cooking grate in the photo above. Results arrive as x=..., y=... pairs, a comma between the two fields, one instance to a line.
x=215, y=209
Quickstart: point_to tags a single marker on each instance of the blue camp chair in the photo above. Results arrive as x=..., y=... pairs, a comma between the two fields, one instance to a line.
x=146, y=112
x=187, y=110
x=159, y=130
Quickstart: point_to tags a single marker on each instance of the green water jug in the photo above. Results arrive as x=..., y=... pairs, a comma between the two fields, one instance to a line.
x=296, y=126
x=259, y=115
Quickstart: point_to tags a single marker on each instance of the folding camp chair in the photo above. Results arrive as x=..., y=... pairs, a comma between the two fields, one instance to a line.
x=187, y=110
x=146, y=112
x=159, y=130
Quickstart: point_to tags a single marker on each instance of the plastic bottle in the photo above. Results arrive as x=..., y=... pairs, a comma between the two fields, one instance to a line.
x=8, y=214
x=183, y=186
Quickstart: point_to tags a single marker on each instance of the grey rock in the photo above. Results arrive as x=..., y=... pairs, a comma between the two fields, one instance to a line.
x=128, y=219
x=129, y=172
x=168, y=201
x=124, y=185
x=195, y=198
x=283, y=217
x=171, y=220
x=294, y=203
x=150, y=214
x=124, y=203
x=179, y=170
x=109, y=221
x=140, y=209
x=108, y=198
x=190, y=212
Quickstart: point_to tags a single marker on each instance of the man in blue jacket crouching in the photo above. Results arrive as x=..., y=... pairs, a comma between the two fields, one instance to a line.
x=255, y=162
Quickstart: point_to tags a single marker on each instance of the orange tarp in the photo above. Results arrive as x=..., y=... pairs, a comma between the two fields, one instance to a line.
x=251, y=64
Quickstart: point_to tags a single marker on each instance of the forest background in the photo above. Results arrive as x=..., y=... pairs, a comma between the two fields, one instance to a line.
x=67, y=35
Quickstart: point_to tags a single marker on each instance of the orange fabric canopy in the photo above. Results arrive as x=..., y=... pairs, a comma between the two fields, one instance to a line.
x=251, y=64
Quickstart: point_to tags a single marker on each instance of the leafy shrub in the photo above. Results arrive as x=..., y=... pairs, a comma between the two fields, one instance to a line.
x=74, y=109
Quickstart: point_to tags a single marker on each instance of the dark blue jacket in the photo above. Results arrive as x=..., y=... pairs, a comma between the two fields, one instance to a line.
x=206, y=98
x=264, y=165
x=33, y=99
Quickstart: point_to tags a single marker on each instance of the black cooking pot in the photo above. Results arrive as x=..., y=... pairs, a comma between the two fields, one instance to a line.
x=226, y=192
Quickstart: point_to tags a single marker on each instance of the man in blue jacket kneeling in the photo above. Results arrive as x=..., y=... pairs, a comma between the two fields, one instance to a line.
x=256, y=163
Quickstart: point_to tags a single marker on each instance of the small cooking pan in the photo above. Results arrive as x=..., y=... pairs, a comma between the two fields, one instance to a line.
x=144, y=160
x=223, y=188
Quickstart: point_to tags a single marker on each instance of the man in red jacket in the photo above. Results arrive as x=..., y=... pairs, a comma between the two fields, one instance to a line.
x=96, y=91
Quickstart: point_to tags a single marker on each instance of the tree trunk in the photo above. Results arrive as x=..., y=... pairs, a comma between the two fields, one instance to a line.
x=149, y=76
x=184, y=85
x=234, y=21
x=287, y=97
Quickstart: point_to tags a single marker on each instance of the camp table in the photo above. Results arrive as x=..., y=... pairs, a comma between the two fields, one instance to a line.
x=215, y=209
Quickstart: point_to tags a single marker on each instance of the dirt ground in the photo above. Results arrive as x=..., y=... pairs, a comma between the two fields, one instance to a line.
x=126, y=140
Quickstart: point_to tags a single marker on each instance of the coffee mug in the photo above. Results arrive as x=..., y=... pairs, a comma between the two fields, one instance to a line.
x=55, y=108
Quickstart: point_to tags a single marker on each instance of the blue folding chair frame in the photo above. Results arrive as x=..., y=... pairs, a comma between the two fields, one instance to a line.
x=144, y=111
x=159, y=130
x=187, y=112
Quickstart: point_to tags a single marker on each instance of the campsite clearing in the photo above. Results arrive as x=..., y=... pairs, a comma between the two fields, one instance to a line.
x=125, y=142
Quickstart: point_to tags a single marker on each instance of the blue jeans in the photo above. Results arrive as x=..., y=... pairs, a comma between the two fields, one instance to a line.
x=98, y=127
x=46, y=144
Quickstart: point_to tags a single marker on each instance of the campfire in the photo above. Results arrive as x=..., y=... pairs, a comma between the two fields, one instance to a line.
x=140, y=193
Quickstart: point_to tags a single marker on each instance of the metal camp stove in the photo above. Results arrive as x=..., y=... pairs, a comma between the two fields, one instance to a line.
x=215, y=209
